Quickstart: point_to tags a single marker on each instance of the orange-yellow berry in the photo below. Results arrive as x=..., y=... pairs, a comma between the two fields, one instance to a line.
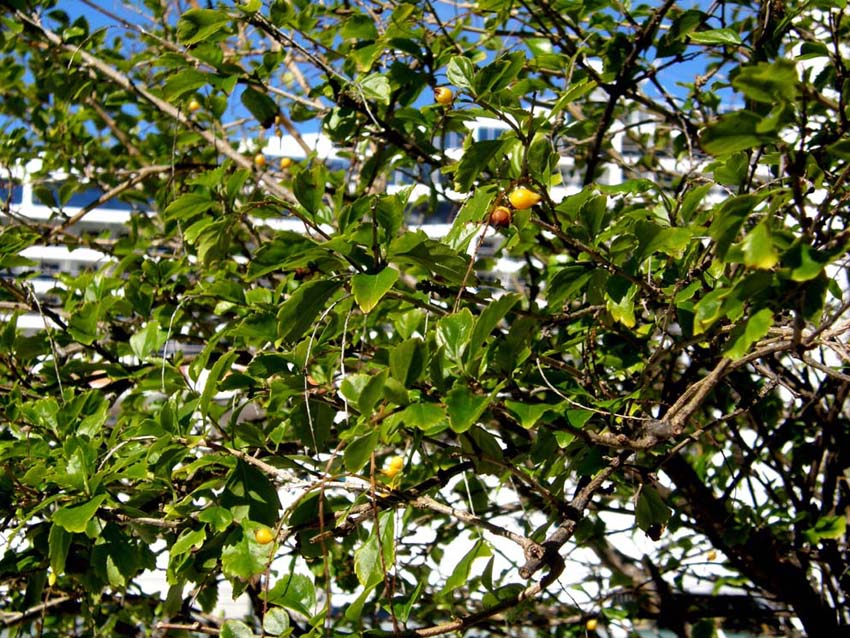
x=263, y=536
x=444, y=95
x=500, y=216
x=522, y=198
x=193, y=106
x=259, y=160
x=285, y=163
x=591, y=624
x=394, y=466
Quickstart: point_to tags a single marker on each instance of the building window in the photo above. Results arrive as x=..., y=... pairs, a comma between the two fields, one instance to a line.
x=489, y=133
x=11, y=192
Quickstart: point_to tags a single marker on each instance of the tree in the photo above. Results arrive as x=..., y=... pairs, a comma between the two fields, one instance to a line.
x=341, y=420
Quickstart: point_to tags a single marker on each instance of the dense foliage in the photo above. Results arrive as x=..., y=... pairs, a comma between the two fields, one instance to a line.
x=622, y=406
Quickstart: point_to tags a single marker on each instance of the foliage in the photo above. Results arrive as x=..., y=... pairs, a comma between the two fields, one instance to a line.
x=663, y=380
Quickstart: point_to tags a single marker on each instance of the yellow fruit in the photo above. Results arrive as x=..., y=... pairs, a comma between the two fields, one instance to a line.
x=394, y=466
x=263, y=536
x=278, y=120
x=711, y=555
x=443, y=95
x=193, y=106
x=500, y=216
x=591, y=624
x=285, y=163
x=259, y=160
x=522, y=198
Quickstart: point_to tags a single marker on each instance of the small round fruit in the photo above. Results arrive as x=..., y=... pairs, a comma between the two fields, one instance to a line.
x=711, y=555
x=591, y=624
x=193, y=106
x=285, y=163
x=394, y=466
x=263, y=536
x=500, y=216
x=259, y=160
x=522, y=198
x=444, y=95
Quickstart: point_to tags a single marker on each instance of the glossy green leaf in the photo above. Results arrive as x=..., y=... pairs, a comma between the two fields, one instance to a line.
x=244, y=558
x=454, y=332
x=276, y=622
x=487, y=321
x=59, y=541
x=260, y=105
x=826, y=527
x=423, y=416
x=369, y=289
x=407, y=361
x=149, y=339
x=235, y=629
x=460, y=574
x=464, y=407
x=651, y=509
x=358, y=452
x=758, y=249
x=716, y=36
x=300, y=311
x=746, y=334
x=461, y=72
x=75, y=519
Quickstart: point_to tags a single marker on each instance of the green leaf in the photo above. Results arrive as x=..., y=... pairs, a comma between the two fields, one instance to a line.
x=187, y=541
x=576, y=91
x=422, y=415
x=487, y=322
x=249, y=494
x=367, y=563
x=831, y=527
x=235, y=629
x=746, y=334
x=434, y=256
x=376, y=87
x=369, y=289
x=260, y=105
x=407, y=361
x=716, y=36
x=372, y=392
x=757, y=247
x=453, y=333
x=309, y=188
x=299, y=312
x=245, y=558
x=474, y=162
x=529, y=414
x=276, y=622
x=734, y=132
x=358, y=452
x=219, y=369
x=708, y=310
x=465, y=407
x=188, y=205
x=59, y=542
x=461, y=72
x=75, y=519
x=460, y=574
x=296, y=592
x=202, y=25
x=663, y=239
x=806, y=263
x=768, y=82
x=147, y=340
x=651, y=509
